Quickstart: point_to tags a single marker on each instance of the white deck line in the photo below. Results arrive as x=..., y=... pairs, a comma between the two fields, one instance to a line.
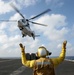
x=69, y=60
x=18, y=71
x=6, y=60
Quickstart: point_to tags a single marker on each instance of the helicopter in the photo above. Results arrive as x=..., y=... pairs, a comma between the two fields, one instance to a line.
x=24, y=25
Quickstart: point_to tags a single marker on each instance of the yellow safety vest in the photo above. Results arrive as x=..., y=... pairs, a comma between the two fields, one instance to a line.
x=43, y=66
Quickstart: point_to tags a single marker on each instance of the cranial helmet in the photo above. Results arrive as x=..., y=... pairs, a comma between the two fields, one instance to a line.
x=42, y=51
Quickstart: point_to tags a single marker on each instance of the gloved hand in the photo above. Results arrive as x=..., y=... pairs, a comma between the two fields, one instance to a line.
x=64, y=44
x=22, y=47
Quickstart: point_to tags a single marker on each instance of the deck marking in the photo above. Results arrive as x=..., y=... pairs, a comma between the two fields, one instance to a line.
x=6, y=60
x=18, y=71
x=69, y=60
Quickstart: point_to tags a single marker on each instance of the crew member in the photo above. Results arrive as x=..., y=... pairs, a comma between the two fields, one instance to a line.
x=43, y=65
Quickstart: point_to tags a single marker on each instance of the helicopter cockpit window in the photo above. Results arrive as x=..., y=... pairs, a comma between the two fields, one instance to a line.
x=23, y=20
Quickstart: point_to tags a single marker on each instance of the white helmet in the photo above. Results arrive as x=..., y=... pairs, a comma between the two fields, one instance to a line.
x=42, y=51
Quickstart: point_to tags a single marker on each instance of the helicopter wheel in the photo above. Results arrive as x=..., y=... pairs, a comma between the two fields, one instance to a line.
x=21, y=28
x=33, y=35
x=22, y=35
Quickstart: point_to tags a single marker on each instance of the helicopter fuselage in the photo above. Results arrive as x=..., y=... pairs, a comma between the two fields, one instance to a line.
x=25, y=28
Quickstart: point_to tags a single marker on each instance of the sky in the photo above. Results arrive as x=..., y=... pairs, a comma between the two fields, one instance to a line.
x=60, y=21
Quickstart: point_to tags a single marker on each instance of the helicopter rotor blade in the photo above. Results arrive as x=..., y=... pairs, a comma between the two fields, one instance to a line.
x=16, y=10
x=37, y=23
x=8, y=20
x=40, y=14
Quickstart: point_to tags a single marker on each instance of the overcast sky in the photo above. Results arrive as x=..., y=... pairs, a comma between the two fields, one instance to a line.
x=60, y=21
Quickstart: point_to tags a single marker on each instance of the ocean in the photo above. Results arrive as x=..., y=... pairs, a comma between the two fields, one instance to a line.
x=69, y=57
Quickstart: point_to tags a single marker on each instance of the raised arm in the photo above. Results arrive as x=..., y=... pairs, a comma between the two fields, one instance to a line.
x=58, y=60
x=23, y=57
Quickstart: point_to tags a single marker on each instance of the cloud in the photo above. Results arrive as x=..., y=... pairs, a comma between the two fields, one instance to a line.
x=55, y=33
x=56, y=29
x=10, y=46
x=3, y=38
x=10, y=37
x=26, y=3
x=52, y=36
x=55, y=3
x=16, y=16
x=70, y=49
x=2, y=25
x=4, y=7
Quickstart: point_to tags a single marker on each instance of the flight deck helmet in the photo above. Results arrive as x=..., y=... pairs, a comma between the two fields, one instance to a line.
x=42, y=51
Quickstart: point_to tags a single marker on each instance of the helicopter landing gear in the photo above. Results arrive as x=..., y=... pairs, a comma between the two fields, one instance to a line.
x=21, y=28
x=22, y=35
x=33, y=36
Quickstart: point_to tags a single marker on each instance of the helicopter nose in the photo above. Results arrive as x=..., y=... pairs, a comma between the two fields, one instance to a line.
x=18, y=21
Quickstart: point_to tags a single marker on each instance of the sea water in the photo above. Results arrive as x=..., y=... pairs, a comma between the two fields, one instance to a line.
x=69, y=57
